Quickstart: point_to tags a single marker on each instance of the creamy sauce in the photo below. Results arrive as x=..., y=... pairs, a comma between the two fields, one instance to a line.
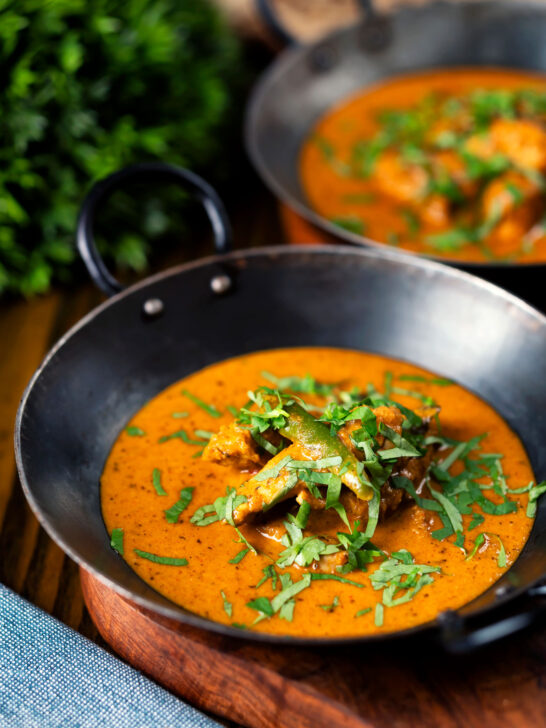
x=403, y=212
x=130, y=502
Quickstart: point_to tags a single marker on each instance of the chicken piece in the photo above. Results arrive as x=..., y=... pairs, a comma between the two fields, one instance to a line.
x=329, y=563
x=516, y=203
x=234, y=444
x=522, y=141
x=264, y=492
x=402, y=181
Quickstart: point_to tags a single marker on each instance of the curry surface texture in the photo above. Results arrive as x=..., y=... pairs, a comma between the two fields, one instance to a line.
x=448, y=163
x=212, y=586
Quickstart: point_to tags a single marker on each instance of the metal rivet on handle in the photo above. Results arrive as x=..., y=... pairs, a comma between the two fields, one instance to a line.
x=220, y=284
x=153, y=307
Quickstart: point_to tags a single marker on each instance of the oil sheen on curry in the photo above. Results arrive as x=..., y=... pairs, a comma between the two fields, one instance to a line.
x=318, y=492
x=448, y=163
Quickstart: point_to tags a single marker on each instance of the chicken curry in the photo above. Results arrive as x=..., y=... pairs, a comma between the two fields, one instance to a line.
x=318, y=492
x=449, y=163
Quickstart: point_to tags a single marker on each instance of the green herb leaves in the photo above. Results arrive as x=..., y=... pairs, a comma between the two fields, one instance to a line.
x=172, y=514
x=283, y=603
x=400, y=579
x=156, y=481
x=209, y=408
x=165, y=560
x=302, y=551
x=228, y=607
x=116, y=541
x=134, y=431
x=534, y=493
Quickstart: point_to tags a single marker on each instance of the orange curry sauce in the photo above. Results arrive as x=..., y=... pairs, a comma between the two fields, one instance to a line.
x=130, y=502
x=462, y=176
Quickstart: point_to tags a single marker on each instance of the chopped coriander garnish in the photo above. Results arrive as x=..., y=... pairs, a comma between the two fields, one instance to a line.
x=262, y=605
x=209, y=408
x=240, y=556
x=412, y=221
x=204, y=434
x=172, y=513
x=440, y=381
x=228, y=607
x=134, y=431
x=302, y=516
x=156, y=481
x=165, y=560
x=335, y=577
x=515, y=192
x=534, y=493
x=479, y=541
x=269, y=573
x=362, y=612
x=116, y=540
x=283, y=602
x=351, y=224
x=179, y=415
x=379, y=612
x=332, y=606
x=301, y=385
x=182, y=435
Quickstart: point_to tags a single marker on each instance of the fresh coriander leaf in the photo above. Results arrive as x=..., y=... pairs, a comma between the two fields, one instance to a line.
x=240, y=556
x=273, y=471
x=412, y=221
x=303, y=514
x=262, y=605
x=172, y=513
x=116, y=540
x=166, y=560
x=228, y=607
x=450, y=509
x=332, y=606
x=480, y=538
x=379, y=614
x=351, y=223
x=182, y=435
x=403, y=555
x=362, y=612
x=204, y=516
x=156, y=481
x=439, y=381
x=204, y=434
x=290, y=592
x=269, y=573
x=335, y=577
x=134, y=431
x=534, y=493
x=179, y=415
x=209, y=408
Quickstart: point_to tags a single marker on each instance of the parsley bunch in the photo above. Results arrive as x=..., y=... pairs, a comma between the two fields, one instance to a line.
x=89, y=87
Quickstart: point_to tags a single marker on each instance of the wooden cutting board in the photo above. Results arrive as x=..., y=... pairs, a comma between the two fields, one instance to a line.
x=403, y=685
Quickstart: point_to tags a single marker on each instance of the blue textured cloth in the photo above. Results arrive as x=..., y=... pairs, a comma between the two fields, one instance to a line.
x=52, y=677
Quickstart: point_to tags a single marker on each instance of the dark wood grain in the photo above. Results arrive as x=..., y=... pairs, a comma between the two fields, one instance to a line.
x=403, y=685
